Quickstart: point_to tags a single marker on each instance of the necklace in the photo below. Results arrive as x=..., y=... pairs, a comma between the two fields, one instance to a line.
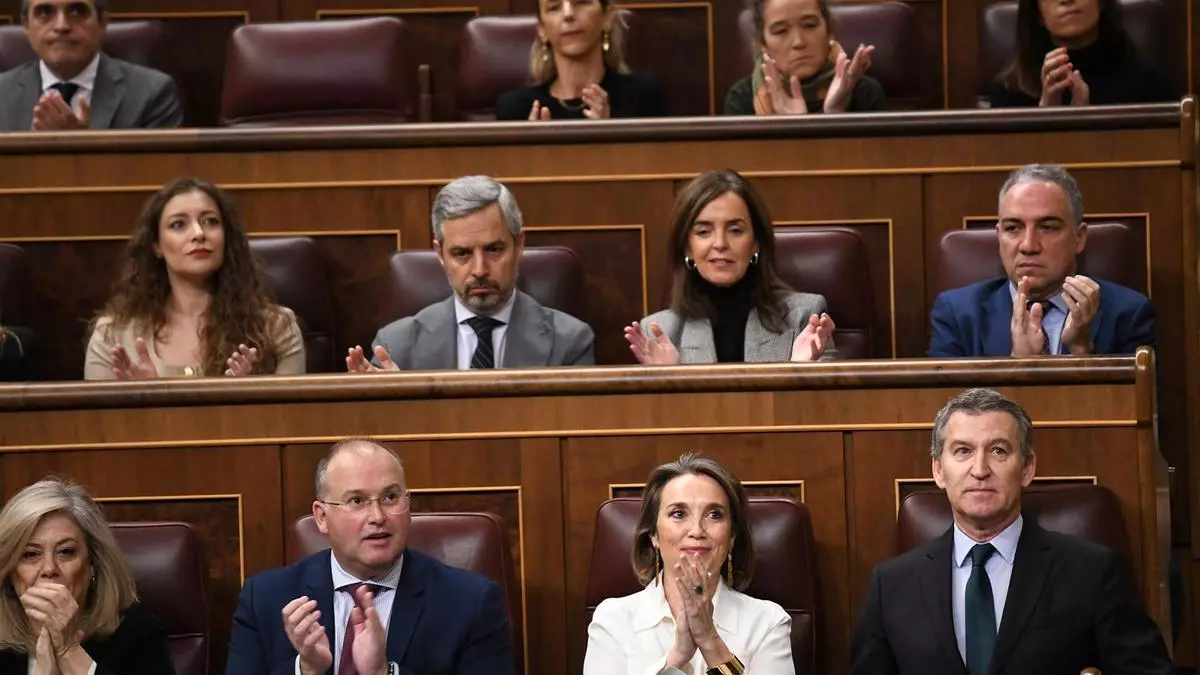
x=573, y=104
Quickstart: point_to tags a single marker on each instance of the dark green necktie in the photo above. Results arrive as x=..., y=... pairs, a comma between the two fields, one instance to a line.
x=981, y=613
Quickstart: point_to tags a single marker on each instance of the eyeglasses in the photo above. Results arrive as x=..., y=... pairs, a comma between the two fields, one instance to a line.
x=393, y=502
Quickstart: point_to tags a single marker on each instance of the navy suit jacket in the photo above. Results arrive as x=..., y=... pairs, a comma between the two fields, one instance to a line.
x=975, y=320
x=445, y=621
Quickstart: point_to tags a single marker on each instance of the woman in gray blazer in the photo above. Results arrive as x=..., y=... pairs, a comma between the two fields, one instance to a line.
x=728, y=304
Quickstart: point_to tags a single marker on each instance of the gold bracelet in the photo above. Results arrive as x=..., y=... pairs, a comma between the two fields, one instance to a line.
x=731, y=667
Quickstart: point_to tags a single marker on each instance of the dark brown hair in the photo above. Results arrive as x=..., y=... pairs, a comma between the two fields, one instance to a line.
x=770, y=291
x=645, y=557
x=242, y=308
x=1024, y=73
x=758, y=11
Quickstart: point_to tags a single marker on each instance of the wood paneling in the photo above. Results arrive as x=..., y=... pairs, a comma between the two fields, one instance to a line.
x=675, y=41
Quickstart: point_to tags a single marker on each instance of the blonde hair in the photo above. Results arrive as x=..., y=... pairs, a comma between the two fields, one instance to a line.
x=113, y=589
x=542, y=69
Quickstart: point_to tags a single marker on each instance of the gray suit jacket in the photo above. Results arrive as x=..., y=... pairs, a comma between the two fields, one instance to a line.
x=537, y=336
x=694, y=337
x=127, y=96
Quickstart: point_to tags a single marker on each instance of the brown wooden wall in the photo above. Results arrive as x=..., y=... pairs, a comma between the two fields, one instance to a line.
x=846, y=440
x=698, y=32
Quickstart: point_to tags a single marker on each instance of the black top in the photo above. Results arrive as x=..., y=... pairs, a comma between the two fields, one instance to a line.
x=629, y=95
x=1113, y=75
x=732, y=305
x=867, y=96
x=138, y=647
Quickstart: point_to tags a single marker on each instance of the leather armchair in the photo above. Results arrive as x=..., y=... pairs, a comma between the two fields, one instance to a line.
x=1143, y=20
x=494, y=58
x=138, y=42
x=1089, y=512
x=833, y=263
x=899, y=63
x=352, y=71
x=296, y=271
x=967, y=256
x=168, y=566
x=552, y=275
x=785, y=571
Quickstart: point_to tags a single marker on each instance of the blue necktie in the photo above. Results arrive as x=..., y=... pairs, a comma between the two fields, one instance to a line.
x=66, y=89
x=981, y=613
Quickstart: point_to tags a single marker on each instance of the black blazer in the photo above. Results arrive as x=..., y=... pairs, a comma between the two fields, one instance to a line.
x=629, y=95
x=138, y=647
x=1070, y=605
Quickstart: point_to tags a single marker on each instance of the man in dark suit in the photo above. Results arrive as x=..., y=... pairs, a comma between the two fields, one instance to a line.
x=72, y=85
x=487, y=322
x=1042, y=306
x=368, y=606
x=998, y=595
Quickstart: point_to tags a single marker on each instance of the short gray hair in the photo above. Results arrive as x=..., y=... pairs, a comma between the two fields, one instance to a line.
x=977, y=402
x=472, y=194
x=1047, y=173
x=346, y=444
x=100, y=5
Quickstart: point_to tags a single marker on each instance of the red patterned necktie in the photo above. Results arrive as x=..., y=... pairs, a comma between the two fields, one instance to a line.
x=346, y=662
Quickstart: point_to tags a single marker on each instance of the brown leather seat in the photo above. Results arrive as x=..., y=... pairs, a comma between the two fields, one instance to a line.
x=139, y=42
x=168, y=566
x=552, y=275
x=900, y=60
x=352, y=71
x=296, y=272
x=14, y=285
x=833, y=263
x=785, y=572
x=1089, y=512
x=1143, y=20
x=971, y=255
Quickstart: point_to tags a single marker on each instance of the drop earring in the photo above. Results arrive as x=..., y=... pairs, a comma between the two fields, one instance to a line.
x=607, y=42
x=754, y=258
x=545, y=51
x=729, y=570
x=688, y=262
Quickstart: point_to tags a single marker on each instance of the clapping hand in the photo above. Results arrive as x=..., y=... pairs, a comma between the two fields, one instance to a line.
x=779, y=102
x=125, y=368
x=539, y=113
x=301, y=622
x=370, y=640
x=52, y=113
x=651, y=352
x=356, y=362
x=1082, y=296
x=596, y=104
x=1059, y=77
x=51, y=608
x=242, y=361
x=1028, y=338
x=810, y=344
x=846, y=75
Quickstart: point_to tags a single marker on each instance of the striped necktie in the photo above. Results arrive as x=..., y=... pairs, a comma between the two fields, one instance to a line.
x=485, y=353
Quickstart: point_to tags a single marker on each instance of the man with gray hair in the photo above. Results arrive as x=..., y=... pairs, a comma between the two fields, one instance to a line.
x=1042, y=306
x=997, y=594
x=487, y=322
x=72, y=85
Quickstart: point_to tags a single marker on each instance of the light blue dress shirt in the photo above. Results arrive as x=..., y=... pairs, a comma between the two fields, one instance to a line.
x=999, y=570
x=1053, y=321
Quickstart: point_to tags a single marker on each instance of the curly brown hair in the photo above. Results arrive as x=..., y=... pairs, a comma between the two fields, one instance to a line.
x=242, y=309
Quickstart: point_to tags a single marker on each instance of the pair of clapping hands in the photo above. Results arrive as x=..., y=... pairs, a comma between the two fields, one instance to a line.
x=241, y=362
x=692, y=610
x=1059, y=77
x=53, y=113
x=302, y=622
x=1082, y=296
x=52, y=610
x=847, y=73
x=595, y=101
x=658, y=350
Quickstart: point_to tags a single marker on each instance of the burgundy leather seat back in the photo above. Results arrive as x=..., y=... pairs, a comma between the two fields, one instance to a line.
x=1089, y=512
x=833, y=263
x=351, y=71
x=900, y=62
x=971, y=255
x=552, y=275
x=168, y=565
x=494, y=58
x=14, y=285
x=1143, y=20
x=785, y=572
x=139, y=42
x=296, y=272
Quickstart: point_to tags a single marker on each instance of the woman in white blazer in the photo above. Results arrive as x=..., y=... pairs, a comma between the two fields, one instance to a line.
x=728, y=303
x=692, y=551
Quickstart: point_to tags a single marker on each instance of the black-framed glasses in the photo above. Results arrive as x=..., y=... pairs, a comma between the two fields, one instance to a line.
x=393, y=502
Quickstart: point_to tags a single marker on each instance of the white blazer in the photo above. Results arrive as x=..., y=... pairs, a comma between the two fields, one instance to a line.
x=632, y=635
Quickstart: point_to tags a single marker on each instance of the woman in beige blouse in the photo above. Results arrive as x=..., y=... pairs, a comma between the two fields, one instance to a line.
x=191, y=300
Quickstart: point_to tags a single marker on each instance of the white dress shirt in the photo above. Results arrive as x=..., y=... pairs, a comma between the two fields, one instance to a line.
x=632, y=635
x=999, y=570
x=343, y=603
x=1053, y=321
x=86, y=80
x=468, y=340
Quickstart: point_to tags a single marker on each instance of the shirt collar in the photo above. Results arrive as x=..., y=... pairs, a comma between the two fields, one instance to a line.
x=1056, y=300
x=1005, y=542
x=86, y=79
x=652, y=607
x=342, y=578
x=503, y=315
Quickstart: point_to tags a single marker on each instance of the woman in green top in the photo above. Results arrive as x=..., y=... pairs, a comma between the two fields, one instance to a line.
x=800, y=68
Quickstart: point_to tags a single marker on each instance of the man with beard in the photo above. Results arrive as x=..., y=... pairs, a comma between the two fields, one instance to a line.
x=487, y=322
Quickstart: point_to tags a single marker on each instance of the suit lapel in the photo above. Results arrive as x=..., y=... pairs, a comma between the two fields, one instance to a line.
x=997, y=323
x=764, y=346
x=936, y=579
x=1030, y=571
x=696, y=343
x=437, y=349
x=407, y=606
x=529, y=339
x=319, y=581
x=29, y=90
x=107, y=94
